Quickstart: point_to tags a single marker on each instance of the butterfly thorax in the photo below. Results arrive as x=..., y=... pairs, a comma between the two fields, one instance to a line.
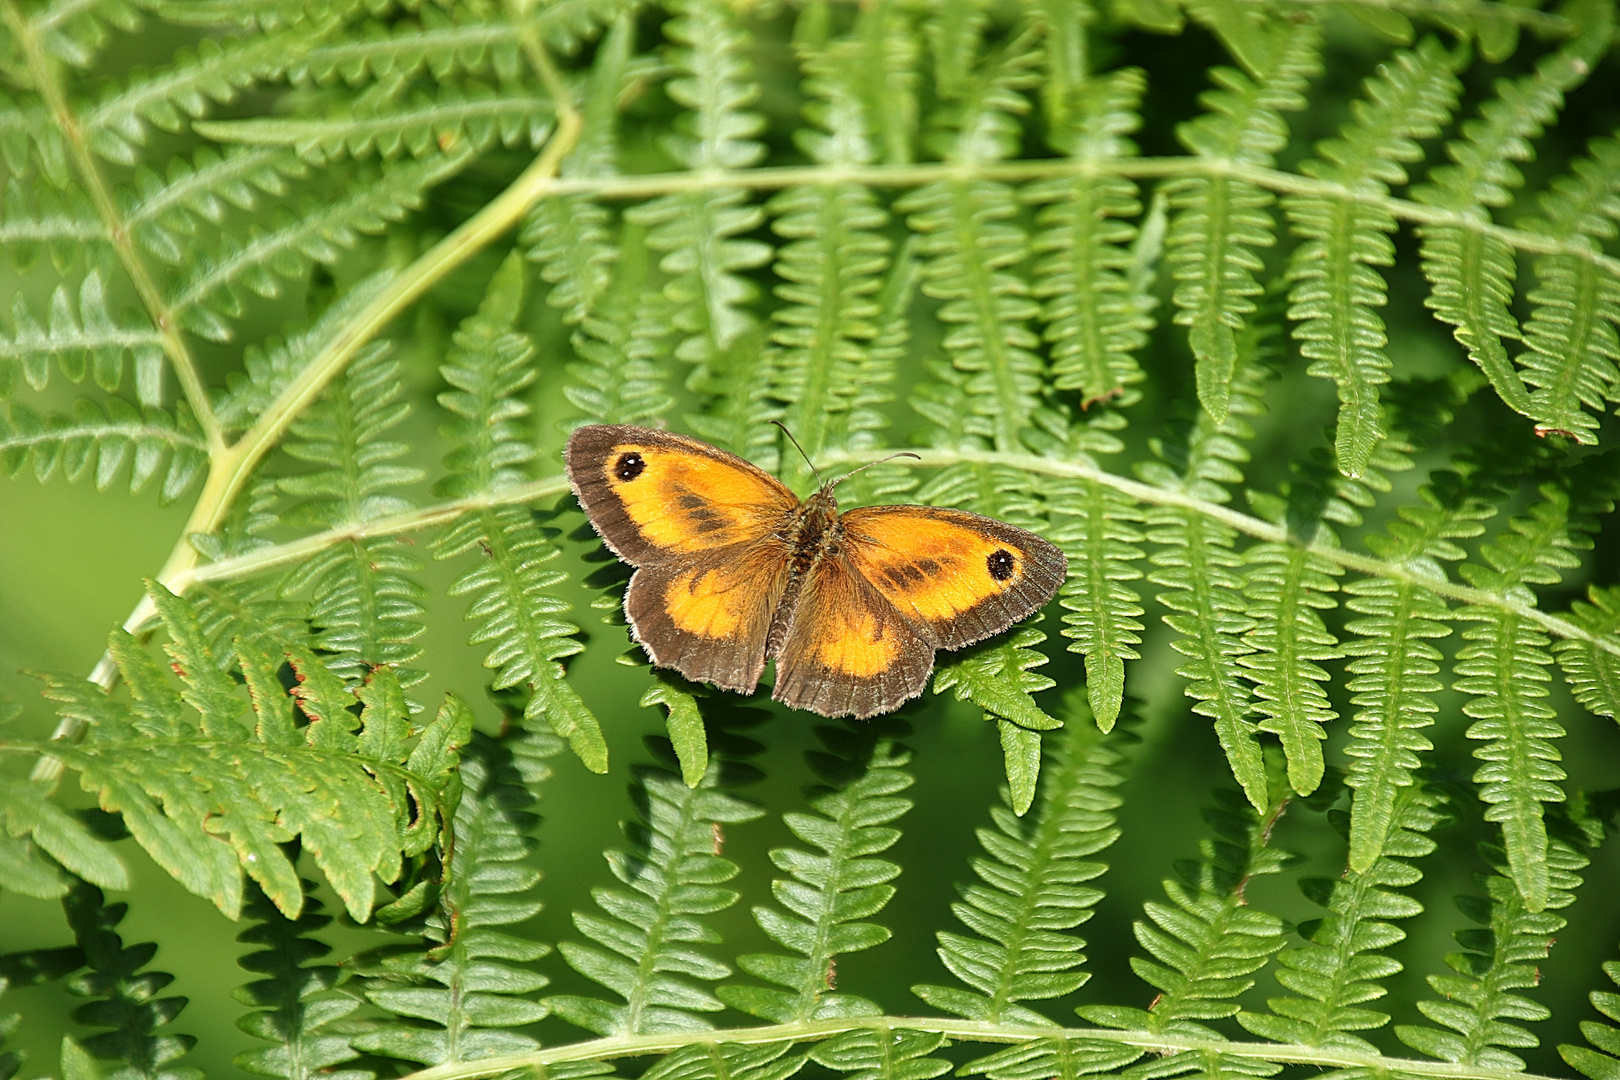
x=814, y=530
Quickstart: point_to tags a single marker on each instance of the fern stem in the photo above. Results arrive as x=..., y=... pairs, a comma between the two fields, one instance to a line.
x=969, y=1030
x=1277, y=180
x=119, y=234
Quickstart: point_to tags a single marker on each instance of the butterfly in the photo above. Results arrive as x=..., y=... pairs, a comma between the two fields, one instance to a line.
x=732, y=570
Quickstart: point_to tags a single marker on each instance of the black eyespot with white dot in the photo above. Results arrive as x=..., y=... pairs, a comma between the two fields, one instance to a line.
x=1000, y=564
x=629, y=466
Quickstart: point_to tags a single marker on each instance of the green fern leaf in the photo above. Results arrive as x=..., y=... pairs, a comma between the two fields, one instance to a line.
x=1593, y=671
x=1471, y=272
x=700, y=231
x=1572, y=345
x=515, y=605
x=618, y=379
x=1286, y=586
x=36, y=220
x=1033, y=888
x=319, y=231
x=165, y=212
x=647, y=936
x=1196, y=563
x=184, y=785
x=34, y=826
x=1599, y=1064
x=834, y=888
x=971, y=241
x=1096, y=316
x=996, y=677
x=886, y=77
x=1337, y=291
x=99, y=438
x=1497, y=959
x=91, y=339
x=445, y=42
x=883, y=1053
x=1220, y=220
x=729, y=1061
x=1053, y=1059
x=462, y=997
x=364, y=604
x=1341, y=965
x=122, y=996
x=295, y=1008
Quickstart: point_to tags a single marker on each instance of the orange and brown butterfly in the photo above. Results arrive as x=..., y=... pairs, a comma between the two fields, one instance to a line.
x=732, y=570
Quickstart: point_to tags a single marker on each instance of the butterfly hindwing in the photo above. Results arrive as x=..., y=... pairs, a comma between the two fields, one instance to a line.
x=658, y=497
x=957, y=577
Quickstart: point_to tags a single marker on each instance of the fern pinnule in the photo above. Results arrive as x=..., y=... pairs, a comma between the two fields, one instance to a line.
x=1095, y=314
x=295, y=1008
x=515, y=603
x=1220, y=220
x=1337, y=290
x=1500, y=956
x=883, y=1053
x=1470, y=271
x=1504, y=669
x=98, y=438
x=646, y=935
x=699, y=232
x=212, y=293
x=617, y=378
x=122, y=996
x=1599, y=1063
x=37, y=219
x=731, y=1061
x=832, y=889
x=1570, y=336
x=1342, y=964
x=996, y=676
x=833, y=268
x=1198, y=567
x=971, y=239
x=83, y=337
x=165, y=212
x=364, y=603
x=1033, y=888
x=118, y=126
x=1593, y=667
x=887, y=78
x=447, y=43
x=458, y=997
x=1053, y=1059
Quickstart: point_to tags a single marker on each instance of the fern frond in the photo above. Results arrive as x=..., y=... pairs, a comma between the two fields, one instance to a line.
x=647, y=936
x=1206, y=944
x=211, y=796
x=123, y=997
x=459, y=1000
x=454, y=121
x=1341, y=966
x=822, y=369
x=887, y=77
x=1053, y=1059
x=996, y=677
x=1594, y=673
x=1286, y=586
x=1570, y=336
x=1033, y=887
x=76, y=30
x=31, y=825
x=363, y=602
x=90, y=339
x=1498, y=958
x=35, y=220
x=117, y=127
x=1096, y=316
x=445, y=42
x=515, y=602
x=971, y=240
x=834, y=888
x=618, y=379
x=1198, y=566
x=1601, y=1063
x=1336, y=290
x=1504, y=670
x=1471, y=272
x=295, y=1009
x=319, y=231
x=883, y=1053
x=700, y=232
x=1220, y=220
x=101, y=437
x=164, y=212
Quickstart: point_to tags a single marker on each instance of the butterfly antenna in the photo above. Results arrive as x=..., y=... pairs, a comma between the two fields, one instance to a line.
x=800, y=449
x=869, y=464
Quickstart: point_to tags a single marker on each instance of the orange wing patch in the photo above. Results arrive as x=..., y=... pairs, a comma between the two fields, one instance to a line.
x=854, y=642
x=962, y=576
x=709, y=602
